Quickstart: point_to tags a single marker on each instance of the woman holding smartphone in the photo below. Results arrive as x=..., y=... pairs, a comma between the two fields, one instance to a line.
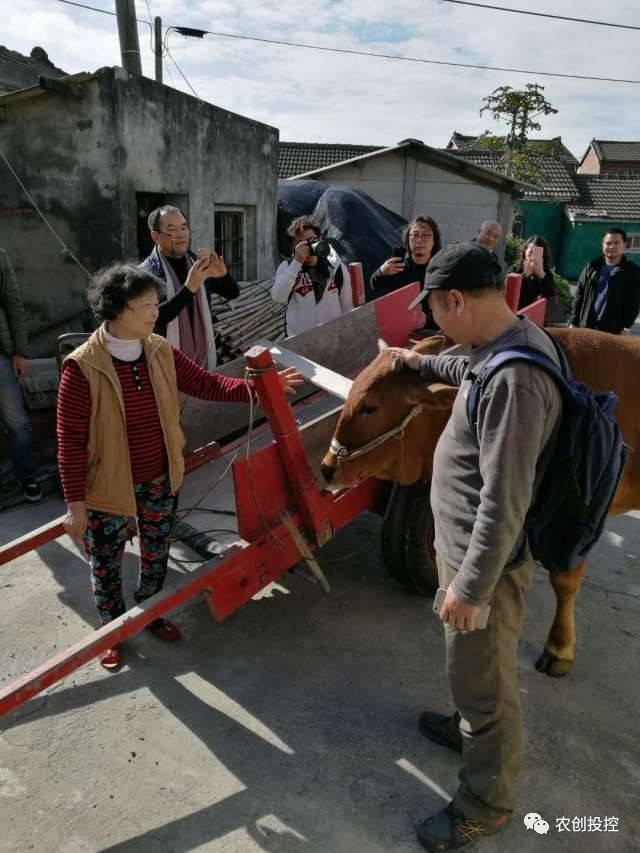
x=535, y=266
x=421, y=239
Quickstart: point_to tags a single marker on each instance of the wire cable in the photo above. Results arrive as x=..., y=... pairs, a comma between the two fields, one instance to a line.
x=103, y=11
x=543, y=15
x=420, y=60
x=42, y=216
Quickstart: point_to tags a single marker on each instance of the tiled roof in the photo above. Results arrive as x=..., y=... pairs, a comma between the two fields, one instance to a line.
x=296, y=158
x=38, y=62
x=607, y=197
x=620, y=151
x=556, y=146
x=556, y=180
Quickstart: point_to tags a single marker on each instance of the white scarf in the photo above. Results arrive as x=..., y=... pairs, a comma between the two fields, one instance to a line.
x=173, y=328
x=121, y=348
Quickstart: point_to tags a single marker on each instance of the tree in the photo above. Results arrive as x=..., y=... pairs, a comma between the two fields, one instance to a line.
x=519, y=108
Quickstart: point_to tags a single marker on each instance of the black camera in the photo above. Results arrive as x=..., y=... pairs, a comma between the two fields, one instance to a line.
x=319, y=248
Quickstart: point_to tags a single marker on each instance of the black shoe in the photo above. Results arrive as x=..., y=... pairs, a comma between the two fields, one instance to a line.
x=443, y=730
x=30, y=489
x=449, y=829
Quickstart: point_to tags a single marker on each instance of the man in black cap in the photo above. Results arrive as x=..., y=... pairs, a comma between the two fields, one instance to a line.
x=485, y=478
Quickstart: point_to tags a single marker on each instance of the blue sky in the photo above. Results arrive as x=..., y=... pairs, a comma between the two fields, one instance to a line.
x=321, y=97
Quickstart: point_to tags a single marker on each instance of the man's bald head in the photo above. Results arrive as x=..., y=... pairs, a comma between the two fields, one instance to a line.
x=489, y=233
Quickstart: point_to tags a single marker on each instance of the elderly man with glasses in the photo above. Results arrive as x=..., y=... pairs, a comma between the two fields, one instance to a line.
x=184, y=273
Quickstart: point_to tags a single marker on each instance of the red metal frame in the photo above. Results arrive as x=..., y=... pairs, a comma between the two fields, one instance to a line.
x=275, y=479
x=357, y=283
x=512, y=287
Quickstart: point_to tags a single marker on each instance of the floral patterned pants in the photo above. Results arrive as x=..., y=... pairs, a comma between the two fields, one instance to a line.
x=106, y=537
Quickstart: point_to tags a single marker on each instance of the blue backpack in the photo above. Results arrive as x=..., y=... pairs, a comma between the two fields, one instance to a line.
x=571, y=506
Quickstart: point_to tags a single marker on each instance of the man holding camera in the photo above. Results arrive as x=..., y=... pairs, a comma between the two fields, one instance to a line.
x=313, y=283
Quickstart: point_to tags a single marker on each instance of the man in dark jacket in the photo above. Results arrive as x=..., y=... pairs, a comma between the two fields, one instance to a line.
x=608, y=295
x=183, y=273
x=13, y=366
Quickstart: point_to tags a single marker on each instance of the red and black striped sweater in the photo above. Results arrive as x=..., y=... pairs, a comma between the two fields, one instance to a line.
x=144, y=431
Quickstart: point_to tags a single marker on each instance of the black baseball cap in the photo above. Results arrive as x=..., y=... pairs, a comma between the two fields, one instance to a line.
x=460, y=266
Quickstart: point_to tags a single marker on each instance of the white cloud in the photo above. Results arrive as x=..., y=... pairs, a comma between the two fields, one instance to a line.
x=325, y=97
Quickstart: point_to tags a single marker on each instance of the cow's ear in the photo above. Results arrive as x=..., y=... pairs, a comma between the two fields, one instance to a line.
x=434, y=396
x=382, y=345
x=442, y=395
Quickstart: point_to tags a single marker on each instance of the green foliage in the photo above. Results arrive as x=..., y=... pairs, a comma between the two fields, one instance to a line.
x=512, y=251
x=519, y=108
x=521, y=159
x=562, y=289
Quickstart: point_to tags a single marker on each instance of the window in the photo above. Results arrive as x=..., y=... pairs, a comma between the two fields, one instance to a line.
x=230, y=240
x=633, y=242
x=517, y=228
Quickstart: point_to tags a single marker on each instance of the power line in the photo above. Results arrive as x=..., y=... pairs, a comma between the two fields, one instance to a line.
x=182, y=74
x=103, y=11
x=543, y=15
x=417, y=59
x=395, y=57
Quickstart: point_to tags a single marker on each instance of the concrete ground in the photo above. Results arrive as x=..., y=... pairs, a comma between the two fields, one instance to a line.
x=291, y=726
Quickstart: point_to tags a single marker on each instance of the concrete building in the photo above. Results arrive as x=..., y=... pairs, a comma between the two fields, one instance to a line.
x=413, y=178
x=97, y=152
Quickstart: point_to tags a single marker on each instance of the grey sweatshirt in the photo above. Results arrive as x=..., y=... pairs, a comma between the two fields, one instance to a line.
x=485, y=480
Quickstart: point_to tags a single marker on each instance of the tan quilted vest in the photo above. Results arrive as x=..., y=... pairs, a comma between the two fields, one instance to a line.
x=109, y=477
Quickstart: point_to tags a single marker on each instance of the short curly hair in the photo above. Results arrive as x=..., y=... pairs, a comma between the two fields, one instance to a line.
x=113, y=287
x=302, y=223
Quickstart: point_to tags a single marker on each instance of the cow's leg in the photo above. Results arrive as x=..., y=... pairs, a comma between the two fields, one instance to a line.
x=560, y=650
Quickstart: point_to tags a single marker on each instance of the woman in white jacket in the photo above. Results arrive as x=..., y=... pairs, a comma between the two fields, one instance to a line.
x=313, y=288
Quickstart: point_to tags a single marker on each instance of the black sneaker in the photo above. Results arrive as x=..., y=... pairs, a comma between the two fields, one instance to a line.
x=449, y=829
x=443, y=730
x=30, y=489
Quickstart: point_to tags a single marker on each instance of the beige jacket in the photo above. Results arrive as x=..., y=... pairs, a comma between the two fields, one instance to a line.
x=109, y=476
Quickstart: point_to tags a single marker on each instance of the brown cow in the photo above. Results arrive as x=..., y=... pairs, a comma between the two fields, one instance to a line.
x=381, y=399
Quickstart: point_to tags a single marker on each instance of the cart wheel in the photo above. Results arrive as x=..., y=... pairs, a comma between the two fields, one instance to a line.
x=393, y=535
x=419, y=547
x=407, y=538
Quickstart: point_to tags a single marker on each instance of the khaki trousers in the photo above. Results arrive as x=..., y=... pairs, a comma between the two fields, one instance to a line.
x=483, y=678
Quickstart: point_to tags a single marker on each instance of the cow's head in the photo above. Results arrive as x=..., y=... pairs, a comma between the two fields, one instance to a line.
x=390, y=423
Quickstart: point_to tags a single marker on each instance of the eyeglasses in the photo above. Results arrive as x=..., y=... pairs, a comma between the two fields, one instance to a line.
x=182, y=232
x=420, y=235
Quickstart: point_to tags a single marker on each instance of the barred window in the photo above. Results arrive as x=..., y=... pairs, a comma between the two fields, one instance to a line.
x=633, y=242
x=229, y=240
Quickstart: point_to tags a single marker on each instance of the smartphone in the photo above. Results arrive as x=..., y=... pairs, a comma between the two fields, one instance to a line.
x=398, y=252
x=538, y=253
x=481, y=619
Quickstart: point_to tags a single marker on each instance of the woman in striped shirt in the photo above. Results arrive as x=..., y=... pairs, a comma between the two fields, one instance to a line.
x=119, y=436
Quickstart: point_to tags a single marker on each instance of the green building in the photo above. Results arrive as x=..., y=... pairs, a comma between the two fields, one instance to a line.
x=569, y=206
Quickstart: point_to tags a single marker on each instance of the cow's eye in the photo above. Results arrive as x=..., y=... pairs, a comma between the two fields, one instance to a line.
x=368, y=410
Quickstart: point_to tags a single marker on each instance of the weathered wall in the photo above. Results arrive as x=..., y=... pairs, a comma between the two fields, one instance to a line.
x=85, y=159
x=64, y=151
x=174, y=144
x=590, y=165
x=409, y=187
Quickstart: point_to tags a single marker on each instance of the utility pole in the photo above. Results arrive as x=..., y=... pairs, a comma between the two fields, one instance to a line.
x=128, y=34
x=157, y=47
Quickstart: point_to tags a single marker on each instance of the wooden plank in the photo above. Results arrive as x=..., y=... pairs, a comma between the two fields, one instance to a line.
x=320, y=376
